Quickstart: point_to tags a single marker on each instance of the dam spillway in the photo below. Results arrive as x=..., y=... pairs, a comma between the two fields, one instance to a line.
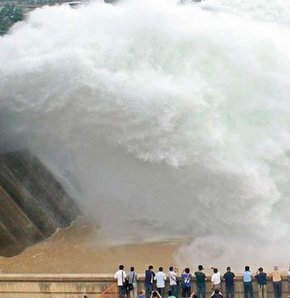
x=33, y=204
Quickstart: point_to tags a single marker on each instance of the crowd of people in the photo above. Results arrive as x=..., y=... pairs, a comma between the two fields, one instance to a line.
x=155, y=282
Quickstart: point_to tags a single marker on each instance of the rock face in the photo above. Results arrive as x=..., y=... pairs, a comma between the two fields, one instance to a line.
x=33, y=204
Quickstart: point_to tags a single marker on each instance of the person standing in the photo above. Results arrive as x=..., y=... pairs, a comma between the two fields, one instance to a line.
x=120, y=276
x=216, y=279
x=261, y=278
x=132, y=280
x=277, y=282
x=160, y=278
x=186, y=283
x=229, y=278
x=288, y=278
x=200, y=279
x=148, y=282
x=247, y=281
x=172, y=275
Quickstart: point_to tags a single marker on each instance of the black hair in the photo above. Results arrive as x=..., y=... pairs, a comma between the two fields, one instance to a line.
x=154, y=294
x=121, y=267
x=200, y=267
x=160, y=268
x=247, y=268
x=170, y=268
x=228, y=268
x=169, y=293
x=215, y=270
x=216, y=291
x=150, y=267
x=187, y=270
x=132, y=268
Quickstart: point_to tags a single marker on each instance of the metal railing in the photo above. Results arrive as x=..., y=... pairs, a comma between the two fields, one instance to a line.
x=111, y=292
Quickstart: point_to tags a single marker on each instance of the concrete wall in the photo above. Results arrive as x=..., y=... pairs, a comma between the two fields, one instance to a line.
x=74, y=285
x=33, y=204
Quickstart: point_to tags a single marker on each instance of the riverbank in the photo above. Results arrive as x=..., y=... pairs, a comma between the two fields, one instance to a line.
x=81, y=249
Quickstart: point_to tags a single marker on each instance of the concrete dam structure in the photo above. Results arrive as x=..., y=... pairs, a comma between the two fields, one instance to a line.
x=93, y=285
x=33, y=204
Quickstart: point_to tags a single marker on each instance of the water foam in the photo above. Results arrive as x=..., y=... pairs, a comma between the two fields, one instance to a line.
x=167, y=120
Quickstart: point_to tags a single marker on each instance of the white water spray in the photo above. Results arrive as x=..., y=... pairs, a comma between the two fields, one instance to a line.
x=167, y=120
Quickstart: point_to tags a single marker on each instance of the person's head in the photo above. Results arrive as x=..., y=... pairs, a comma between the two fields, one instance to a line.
x=121, y=267
x=247, y=268
x=200, y=267
x=215, y=270
x=260, y=269
x=150, y=267
x=187, y=270
x=142, y=292
x=170, y=268
x=132, y=269
x=216, y=291
x=160, y=268
x=85, y=296
x=169, y=293
x=154, y=294
x=228, y=268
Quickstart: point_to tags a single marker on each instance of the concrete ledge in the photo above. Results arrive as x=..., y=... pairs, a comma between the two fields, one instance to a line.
x=75, y=285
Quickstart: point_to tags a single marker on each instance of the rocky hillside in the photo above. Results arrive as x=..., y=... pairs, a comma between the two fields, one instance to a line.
x=33, y=204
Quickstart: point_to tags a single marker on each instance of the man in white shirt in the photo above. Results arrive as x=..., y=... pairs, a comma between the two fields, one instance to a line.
x=120, y=276
x=216, y=279
x=160, y=278
x=173, y=282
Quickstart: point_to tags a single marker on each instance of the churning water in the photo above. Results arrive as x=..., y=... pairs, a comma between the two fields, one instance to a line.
x=165, y=120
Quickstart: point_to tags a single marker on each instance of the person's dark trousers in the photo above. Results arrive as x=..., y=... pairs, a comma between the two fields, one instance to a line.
x=200, y=291
x=174, y=289
x=148, y=290
x=186, y=291
x=248, y=289
x=161, y=291
x=277, y=286
x=230, y=291
x=122, y=291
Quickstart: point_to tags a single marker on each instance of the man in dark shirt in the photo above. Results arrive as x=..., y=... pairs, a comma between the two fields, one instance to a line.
x=148, y=282
x=261, y=278
x=229, y=278
x=200, y=279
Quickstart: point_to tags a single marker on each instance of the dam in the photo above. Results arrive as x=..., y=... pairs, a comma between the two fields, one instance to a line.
x=144, y=124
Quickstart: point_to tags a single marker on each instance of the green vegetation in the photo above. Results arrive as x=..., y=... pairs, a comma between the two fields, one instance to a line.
x=31, y=2
x=9, y=15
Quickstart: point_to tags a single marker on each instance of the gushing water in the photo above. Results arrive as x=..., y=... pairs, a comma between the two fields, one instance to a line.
x=165, y=120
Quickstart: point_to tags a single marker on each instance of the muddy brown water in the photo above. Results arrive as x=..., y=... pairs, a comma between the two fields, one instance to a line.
x=80, y=249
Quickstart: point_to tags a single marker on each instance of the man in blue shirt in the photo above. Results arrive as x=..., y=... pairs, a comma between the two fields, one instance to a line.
x=186, y=282
x=247, y=279
x=148, y=282
x=261, y=278
x=230, y=286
